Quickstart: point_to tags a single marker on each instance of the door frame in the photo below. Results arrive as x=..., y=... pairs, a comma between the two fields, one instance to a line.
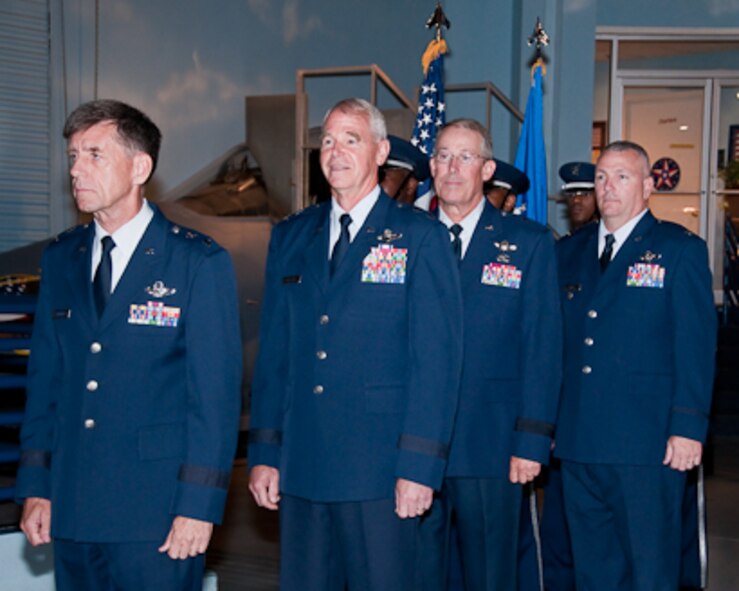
x=711, y=222
x=669, y=79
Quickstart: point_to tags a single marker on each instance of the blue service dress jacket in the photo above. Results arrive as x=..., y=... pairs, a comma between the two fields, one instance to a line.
x=357, y=374
x=640, y=344
x=512, y=347
x=132, y=418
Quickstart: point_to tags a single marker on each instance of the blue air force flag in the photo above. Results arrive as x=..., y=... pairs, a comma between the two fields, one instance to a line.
x=531, y=153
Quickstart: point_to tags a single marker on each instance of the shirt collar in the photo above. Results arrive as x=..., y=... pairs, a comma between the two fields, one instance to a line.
x=620, y=235
x=359, y=212
x=127, y=237
x=468, y=223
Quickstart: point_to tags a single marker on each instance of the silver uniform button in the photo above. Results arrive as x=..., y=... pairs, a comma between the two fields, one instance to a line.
x=318, y=389
x=589, y=341
x=324, y=319
x=92, y=385
x=89, y=423
x=587, y=369
x=321, y=355
x=96, y=347
x=570, y=295
x=592, y=314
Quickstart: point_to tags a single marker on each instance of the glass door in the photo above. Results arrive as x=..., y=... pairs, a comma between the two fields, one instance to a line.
x=724, y=213
x=670, y=118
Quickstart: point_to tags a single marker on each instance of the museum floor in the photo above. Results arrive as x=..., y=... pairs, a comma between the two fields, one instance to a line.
x=244, y=552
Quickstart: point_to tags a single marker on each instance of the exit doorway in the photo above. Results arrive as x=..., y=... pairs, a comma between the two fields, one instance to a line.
x=678, y=96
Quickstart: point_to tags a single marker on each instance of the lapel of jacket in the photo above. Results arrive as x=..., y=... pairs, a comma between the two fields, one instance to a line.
x=480, y=251
x=351, y=267
x=316, y=251
x=79, y=276
x=150, y=253
x=615, y=273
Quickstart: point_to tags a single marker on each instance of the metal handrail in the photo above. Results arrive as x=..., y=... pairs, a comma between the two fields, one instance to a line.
x=302, y=147
x=731, y=269
x=301, y=113
x=491, y=91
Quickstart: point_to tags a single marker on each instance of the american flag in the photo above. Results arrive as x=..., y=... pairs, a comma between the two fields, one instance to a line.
x=431, y=107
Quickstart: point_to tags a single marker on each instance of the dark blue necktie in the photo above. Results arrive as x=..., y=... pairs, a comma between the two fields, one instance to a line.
x=342, y=244
x=605, y=257
x=456, y=230
x=103, y=275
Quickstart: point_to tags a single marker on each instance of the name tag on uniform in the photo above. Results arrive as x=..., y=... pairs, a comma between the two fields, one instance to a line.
x=501, y=275
x=646, y=275
x=154, y=314
x=385, y=264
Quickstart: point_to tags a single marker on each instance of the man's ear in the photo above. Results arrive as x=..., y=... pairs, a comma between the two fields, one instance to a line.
x=648, y=187
x=142, y=167
x=383, y=149
x=488, y=170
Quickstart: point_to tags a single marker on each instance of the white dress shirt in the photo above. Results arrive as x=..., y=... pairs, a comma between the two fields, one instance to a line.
x=126, y=239
x=469, y=223
x=620, y=235
x=359, y=213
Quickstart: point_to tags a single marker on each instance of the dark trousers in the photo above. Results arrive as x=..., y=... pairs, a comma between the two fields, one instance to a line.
x=486, y=513
x=556, y=548
x=625, y=525
x=136, y=566
x=359, y=546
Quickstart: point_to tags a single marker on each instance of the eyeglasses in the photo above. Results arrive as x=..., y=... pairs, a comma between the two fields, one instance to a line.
x=464, y=158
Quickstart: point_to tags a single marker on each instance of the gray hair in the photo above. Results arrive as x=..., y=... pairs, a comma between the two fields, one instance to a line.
x=627, y=146
x=358, y=106
x=486, y=144
x=136, y=131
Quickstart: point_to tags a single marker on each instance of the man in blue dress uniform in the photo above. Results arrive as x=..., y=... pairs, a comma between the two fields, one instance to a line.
x=134, y=377
x=406, y=166
x=554, y=537
x=507, y=184
x=578, y=192
x=640, y=335
x=356, y=380
x=511, y=368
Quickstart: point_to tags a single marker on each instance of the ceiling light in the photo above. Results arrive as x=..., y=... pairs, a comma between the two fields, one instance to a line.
x=683, y=128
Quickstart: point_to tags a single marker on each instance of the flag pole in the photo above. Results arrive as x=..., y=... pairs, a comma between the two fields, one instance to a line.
x=531, y=152
x=431, y=113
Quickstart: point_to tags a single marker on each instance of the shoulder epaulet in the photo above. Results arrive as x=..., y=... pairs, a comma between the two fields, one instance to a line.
x=300, y=212
x=71, y=232
x=189, y=234
x=420, y=211
x=677, y=230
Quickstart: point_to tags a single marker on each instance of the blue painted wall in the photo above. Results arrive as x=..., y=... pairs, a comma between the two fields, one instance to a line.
x=668, y=13
x=189, y=63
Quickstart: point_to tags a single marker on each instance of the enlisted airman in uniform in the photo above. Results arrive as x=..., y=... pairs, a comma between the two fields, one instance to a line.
x=578, y=191
x=406, y=166
x=507, y=184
